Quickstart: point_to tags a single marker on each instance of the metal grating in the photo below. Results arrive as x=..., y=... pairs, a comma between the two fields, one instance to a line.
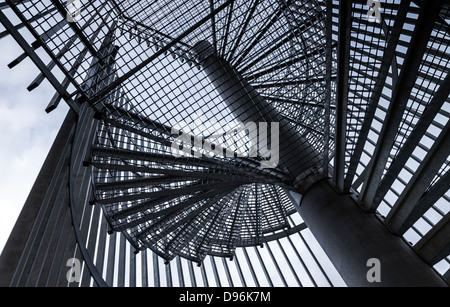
x=135, y=64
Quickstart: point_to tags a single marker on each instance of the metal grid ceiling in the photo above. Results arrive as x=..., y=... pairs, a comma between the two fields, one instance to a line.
x=279, y=47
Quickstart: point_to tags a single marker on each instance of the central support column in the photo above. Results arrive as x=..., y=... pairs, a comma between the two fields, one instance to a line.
x=297, y=155
x=350, y=237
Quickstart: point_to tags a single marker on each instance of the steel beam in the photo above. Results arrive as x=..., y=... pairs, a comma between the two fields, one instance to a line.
x=38, y=80
x=289, y=62
x=213, y=25
x=285, y=82
x=156, y=279
x=247, y=173
x=227, y=29
x=189, y=218
x=141, y=207
x=242, y=30
x=413, y=140
x=248, y=106
x=280, y=41
x=250, y=266
x=420, y=181
x=275, y=17
x=80, y=193
x=46, y=36
x=328, y=85
x=190, y=234
x=137, y=119
x=422, y=32
x=18, y=243
x=128, y=154
x=426, y=202
x=227, y=272
x=293, y=101
x=77, y=30
x=32, y=19
x=53, y=30
x=154, y=31
x=277, y=266
x=447, y=276
x=17, y=60
x=4, y=5
x=167, y=192
x=350, y=237
x=38, y=62
x=178, y=208
x=166, y=130
x=215, y=271
x=139, y=182
x=180, y=272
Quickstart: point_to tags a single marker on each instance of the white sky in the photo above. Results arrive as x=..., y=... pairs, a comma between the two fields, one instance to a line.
x=27, y=132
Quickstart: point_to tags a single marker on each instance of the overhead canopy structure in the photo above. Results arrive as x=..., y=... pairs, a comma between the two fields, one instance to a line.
x=159, y=137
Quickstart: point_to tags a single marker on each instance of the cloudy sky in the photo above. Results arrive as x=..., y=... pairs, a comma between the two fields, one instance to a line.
x=27, y=132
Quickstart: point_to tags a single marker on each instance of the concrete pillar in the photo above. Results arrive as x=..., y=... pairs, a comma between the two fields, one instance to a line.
x=297, y=156
x=355, y=241
x=33, y=217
